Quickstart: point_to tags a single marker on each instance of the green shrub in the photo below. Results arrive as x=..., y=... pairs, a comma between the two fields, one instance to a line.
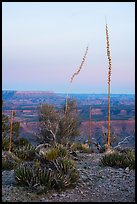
x=59, y=174
x=86, y=149
x=21, y=142
x=9, y=160
x=24, y=175
x=65, y=173
x=62, y=150
x=52, y=154
x=83, y=148
x=76, y=146
x=15, y=143
x=117, y=159
x=26, y=152
x=5, y=143
x=8, y=164
x=55, y=152
x=103, y=149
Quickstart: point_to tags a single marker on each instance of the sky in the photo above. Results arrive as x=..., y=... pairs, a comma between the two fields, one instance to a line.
x=43, y=44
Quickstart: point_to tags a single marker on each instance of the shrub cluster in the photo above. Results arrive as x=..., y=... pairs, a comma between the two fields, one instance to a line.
x=55, y=151
x=52, y=170
x=9, y=161
x=26, y=152
x=119, y=159
x=83, y=148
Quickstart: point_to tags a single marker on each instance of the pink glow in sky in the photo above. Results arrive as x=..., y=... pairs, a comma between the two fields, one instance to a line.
x=43, y=45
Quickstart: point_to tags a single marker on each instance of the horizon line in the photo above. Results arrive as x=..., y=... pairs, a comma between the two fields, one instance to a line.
x=48, y=91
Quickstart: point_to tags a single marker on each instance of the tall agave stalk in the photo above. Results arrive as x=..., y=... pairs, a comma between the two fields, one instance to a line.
x=109, y=74
x=89, y=136
x=11, y=121
x=76, y=73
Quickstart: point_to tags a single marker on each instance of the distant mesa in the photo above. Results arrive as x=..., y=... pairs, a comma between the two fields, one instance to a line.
x=34, y=92
x=9, y=95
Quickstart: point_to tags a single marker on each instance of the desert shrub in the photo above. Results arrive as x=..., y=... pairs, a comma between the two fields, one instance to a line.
x=103, y=149
x=83, y=148
x=86, y=149
x=8, y=164
x=61, y=174
x=56, y=126
x=76, y=146
x=26, y=152
x=51, y=154
x=29, y=175
x=125, y=150
x=9, y=160
x=117, y=159
x=21, y=142
x=15, y=143
x=54, y=152
x=65, y=174
x=5, y=143
x=24, y=175
x=62, y=150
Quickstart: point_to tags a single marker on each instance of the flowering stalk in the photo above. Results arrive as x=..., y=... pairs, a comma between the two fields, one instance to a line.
x=109, y=74
x=76, y=73
x=89, y=138
x=11, y=121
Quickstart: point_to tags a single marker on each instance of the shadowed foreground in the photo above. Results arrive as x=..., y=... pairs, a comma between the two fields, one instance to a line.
x=96, y=184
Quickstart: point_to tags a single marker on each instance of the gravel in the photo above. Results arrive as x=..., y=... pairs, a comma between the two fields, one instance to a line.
x=96, y=184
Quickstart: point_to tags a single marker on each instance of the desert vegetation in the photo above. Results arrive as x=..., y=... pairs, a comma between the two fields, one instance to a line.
x=119, y=159
x=56, y=126
x=109, y=75
x=71, y=80
x=51, y=164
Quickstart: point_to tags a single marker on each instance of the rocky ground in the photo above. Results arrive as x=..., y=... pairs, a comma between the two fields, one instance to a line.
x=96, y=184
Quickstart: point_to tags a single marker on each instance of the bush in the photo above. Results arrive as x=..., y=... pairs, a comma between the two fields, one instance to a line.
x=103, y=149
x=65, y=174
x=61, y=174
x=54, y=152
x=117, y=159
x=8, y=164
x=9, y=161
x=76, y=146
x=5, y=143
x=52, y=170
x=56, y=126
x=24, y=175
x=26, y=152
x=84, y=148
x=21, y=142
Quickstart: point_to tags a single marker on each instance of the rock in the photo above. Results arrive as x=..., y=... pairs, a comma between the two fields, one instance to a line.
x=8, y=177
x=127, y=169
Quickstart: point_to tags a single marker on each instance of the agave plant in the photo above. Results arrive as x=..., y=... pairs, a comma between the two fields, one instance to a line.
x=55, y=170
x=66, y=173
x=8, y=164
x=26, y=152
x=117, y=159
x=24, y=175
x=55, y=152
x=45, y=177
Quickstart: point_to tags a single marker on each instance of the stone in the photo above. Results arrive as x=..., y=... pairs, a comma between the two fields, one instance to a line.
x=127, y=169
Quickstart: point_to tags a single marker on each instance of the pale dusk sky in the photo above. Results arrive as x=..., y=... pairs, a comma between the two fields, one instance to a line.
x=43, y=44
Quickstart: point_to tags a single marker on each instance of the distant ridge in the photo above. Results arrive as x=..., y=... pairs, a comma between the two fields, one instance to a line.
x=8, y=95
x=35, y=92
